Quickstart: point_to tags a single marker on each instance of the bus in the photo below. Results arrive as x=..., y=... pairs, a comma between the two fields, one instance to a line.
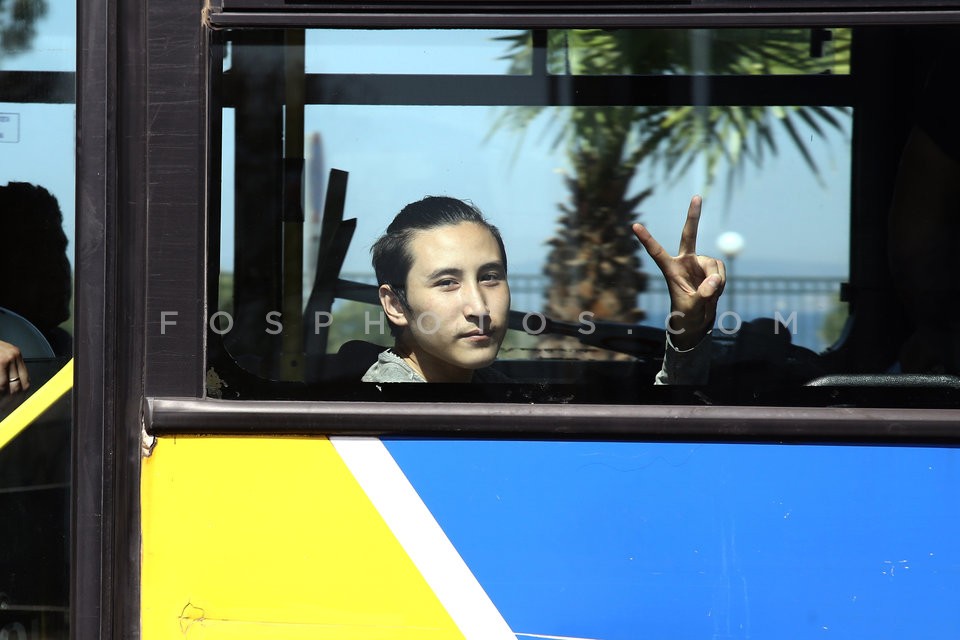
x=205, y=460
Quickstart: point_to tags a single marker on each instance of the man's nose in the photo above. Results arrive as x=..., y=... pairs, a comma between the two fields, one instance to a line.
x=475, y=301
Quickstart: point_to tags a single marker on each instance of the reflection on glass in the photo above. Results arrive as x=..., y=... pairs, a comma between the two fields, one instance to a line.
x=37, y=186
x=697, y=51
x=531, y=192
x=449, y=150
x=563, y=182
x=439, y=51
x=35, y=342
x=34, y=530
x=36, y=35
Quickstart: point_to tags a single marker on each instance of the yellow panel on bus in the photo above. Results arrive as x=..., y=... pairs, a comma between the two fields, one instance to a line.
x=250, y=537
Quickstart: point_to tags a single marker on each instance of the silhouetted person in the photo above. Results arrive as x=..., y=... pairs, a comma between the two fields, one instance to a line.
x=36, y=281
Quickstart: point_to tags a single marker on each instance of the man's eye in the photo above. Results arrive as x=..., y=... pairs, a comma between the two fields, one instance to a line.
x=446, y=283
x=491, y=277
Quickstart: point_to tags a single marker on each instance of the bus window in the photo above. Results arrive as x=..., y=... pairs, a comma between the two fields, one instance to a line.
x=563, y=139
x=37, y=185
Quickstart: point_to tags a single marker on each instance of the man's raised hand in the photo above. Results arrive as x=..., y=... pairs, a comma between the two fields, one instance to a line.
x=695, y=282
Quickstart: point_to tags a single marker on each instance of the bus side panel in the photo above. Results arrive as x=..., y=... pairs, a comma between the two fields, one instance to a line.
x=360, y=537
x=620, y=540
x=272, y=537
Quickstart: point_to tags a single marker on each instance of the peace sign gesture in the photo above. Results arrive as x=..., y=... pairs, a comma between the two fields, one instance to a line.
x=695, y=282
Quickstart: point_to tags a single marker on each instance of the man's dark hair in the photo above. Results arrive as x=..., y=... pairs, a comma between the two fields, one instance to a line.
x=391, y=252
x=36, y=252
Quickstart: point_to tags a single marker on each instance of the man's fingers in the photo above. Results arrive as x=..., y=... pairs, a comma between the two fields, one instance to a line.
x=688, y=239
x=714, y=277
x=712, y=266
x=23, y=374
x=13, y=370
x=656, y=251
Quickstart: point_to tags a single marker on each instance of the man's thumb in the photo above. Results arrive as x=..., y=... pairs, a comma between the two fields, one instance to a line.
x=709, y=286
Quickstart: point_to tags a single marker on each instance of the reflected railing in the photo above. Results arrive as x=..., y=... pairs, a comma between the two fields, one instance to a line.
x=809, y=307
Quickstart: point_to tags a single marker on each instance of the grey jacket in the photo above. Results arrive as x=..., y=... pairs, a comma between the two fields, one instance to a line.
x=691, y=367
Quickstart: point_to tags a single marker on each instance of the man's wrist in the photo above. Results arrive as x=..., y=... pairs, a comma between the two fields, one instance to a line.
x=685, y=340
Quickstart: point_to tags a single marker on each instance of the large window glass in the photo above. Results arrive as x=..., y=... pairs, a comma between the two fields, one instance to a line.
x=37, y=184
x=563, y=139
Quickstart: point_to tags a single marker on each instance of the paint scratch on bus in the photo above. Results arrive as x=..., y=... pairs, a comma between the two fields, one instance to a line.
x=189, y=616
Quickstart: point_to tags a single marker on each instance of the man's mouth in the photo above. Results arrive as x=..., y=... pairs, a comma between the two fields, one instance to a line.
x=478, y=334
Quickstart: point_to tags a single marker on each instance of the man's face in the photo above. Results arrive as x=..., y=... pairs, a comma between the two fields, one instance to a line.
x=459, y=301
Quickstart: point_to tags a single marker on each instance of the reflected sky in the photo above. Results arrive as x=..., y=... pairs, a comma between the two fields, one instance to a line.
x=519, y=192
x=396, y=155
x=44, y=152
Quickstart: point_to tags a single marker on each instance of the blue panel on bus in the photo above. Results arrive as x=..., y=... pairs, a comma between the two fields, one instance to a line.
x=628, y=540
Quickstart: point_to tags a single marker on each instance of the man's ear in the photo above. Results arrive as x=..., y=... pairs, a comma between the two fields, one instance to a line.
x=392, y=306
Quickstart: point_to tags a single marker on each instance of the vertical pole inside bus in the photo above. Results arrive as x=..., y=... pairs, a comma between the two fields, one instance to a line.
x=291, y=359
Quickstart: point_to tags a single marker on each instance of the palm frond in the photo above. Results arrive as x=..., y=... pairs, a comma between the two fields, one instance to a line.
x=801, y=146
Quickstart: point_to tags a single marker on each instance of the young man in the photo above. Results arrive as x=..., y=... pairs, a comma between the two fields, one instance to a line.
x=442, y=270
